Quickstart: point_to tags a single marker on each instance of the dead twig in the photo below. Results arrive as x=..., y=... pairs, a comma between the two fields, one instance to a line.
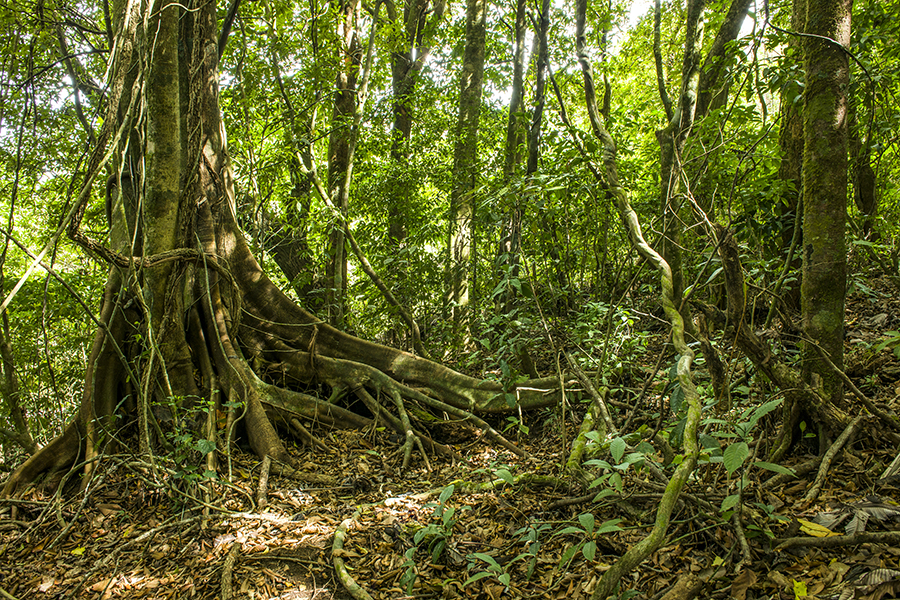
x=836, y=447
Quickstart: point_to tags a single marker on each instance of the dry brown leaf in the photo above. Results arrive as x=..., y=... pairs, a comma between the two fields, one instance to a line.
x=46, y=584
x=778, y=579
x=101, y=585
x=108, y=509
x=741, y=584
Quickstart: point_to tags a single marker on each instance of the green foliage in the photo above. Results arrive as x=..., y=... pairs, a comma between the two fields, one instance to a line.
x=587, y=531
x=611, y=477
x=188, y=449
x=434, y=537
x=891, y=340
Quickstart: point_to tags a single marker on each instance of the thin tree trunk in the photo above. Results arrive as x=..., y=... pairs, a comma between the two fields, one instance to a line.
x=339, y=162
x=790, y=140
x=465, y=167
x=671, y=142
x=406, y=66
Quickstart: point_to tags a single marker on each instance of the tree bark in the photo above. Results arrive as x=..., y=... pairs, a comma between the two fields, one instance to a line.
x=339, y=163
x=671, y=143
x=465, y=162
x=825, y=191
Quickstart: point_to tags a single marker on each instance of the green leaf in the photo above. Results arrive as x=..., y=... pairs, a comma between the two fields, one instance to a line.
x=589, y=550
x=568, y=555
x=735, y=455
x=645, y=448
x=616, y=480
x=763, y=410
x=677, y=398
x=774, y=467
x=476, y=577
x=709, y=442
x=603, y=494
x=587, y=522
x=596, y=462
x=730, y=502
x=446, y=493
x=505, y=475
x=205, y=446
x=617, y=449
x=438, y=549
x=611, y=526
x=490, y=560
x=714, y=274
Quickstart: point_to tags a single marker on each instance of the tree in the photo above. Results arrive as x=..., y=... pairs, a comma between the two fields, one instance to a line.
x=190, y=324
x=406, y=66
x=465, y=163
x=825, y=116
x=340, y=160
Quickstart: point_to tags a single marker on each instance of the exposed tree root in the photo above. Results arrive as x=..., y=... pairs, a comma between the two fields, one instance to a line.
x=829, y=456
x=262, y=491
x=340, y=568
x=798, y=471
x=228, y=569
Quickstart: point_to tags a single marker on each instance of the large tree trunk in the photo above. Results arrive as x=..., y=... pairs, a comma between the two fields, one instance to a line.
x=825, y=191
x=189, y=321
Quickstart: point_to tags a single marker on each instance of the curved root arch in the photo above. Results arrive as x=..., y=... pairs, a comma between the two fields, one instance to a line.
x=191, y=327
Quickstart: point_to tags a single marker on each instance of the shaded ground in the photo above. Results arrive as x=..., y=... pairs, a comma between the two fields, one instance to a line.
x=138, y=534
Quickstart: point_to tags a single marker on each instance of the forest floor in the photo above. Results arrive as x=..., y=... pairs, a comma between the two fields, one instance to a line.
x=413, y=536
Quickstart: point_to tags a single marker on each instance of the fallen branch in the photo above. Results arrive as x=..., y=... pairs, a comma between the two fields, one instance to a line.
x=891, y=538
x=883, y=416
